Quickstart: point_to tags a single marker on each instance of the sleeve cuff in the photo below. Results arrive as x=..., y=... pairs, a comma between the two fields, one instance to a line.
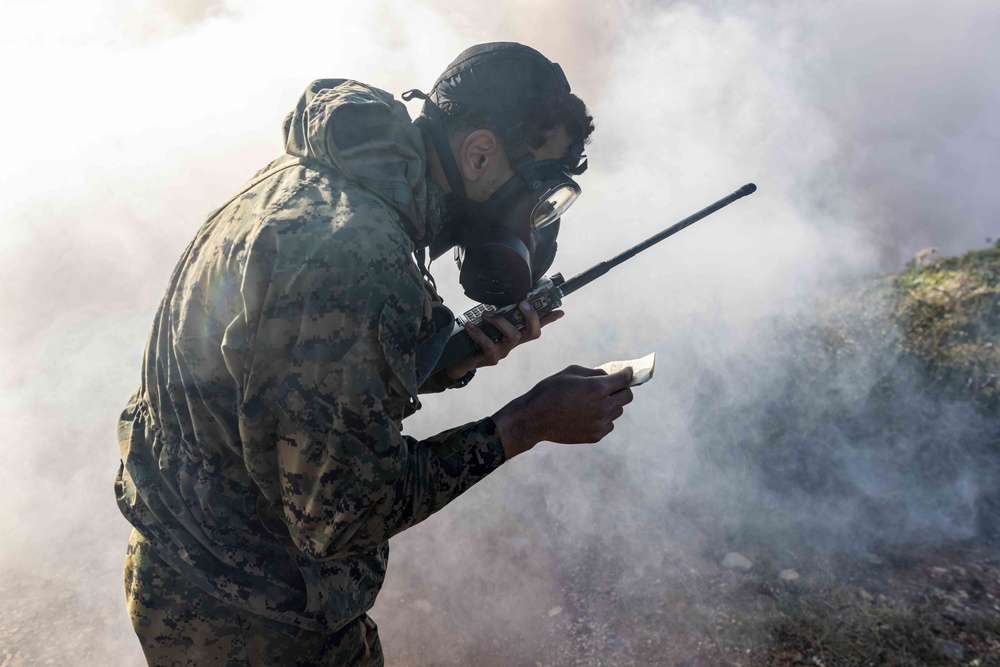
x=477, y=443
x=440, y=381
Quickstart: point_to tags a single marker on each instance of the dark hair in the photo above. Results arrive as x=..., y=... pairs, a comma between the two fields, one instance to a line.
x=539, y=115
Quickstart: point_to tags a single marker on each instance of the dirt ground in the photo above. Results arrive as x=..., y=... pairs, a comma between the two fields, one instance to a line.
x=50, y=622
x=908, y=605
x=919, y=605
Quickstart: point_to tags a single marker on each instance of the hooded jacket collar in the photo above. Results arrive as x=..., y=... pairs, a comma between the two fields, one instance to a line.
x=367, y=136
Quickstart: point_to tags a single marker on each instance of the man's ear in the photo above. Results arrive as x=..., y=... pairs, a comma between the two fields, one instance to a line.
x=477, y=154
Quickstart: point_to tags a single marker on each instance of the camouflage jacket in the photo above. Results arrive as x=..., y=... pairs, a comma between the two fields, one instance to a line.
x=262, y=455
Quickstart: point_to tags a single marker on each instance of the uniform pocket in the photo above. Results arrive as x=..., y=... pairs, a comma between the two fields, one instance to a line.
x=126, y=424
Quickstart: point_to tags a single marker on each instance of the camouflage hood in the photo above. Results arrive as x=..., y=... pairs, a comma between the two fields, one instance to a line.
x=366, y=135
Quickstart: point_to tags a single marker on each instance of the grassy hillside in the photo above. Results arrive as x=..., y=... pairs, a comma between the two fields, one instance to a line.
x=873, y=418
x=949, y=313
x=868, y=433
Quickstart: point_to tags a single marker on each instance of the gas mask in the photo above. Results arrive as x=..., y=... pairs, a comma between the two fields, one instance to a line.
x=505, y=244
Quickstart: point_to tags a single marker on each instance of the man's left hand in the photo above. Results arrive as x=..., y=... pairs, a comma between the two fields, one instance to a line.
x=490, y=353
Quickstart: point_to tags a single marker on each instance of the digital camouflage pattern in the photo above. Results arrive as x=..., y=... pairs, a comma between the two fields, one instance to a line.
x=262, y=455
x=179, y=625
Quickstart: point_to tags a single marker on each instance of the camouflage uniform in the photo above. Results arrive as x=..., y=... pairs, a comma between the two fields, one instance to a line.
x=262, y=455
x=179, y=624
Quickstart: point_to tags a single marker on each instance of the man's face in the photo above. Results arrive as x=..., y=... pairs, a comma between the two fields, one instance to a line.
x=556, y=146
x=509, y=239
x=485, y=165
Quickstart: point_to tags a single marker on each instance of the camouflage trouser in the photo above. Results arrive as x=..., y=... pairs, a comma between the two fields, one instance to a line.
x=179, y=625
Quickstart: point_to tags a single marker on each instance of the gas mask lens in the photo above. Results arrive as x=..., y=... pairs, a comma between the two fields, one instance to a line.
x=554, y=204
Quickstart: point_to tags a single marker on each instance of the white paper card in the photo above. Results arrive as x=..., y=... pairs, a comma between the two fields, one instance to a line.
x=642, y=369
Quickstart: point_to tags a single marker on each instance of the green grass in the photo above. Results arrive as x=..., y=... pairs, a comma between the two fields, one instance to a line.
x=949, y=315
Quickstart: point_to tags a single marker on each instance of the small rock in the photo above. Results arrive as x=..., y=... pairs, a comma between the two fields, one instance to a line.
x=866, y=596
x=736, y=561
x=788, y=575
x=938, y=571
x=872, y=559
x=555, y=611
x=951, y=649
x=957, y=615
x=423, y=605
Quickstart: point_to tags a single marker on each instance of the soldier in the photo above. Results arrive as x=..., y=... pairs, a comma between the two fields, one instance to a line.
x=263, y=464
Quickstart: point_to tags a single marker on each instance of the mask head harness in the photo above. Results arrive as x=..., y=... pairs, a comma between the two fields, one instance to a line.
x=505, y=244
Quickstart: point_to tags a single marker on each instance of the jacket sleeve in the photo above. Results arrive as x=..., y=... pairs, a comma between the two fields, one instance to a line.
x=335, y=312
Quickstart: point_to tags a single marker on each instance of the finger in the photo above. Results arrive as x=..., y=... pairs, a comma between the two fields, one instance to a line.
x=617, y=401
x=622, y=396
x=551, y=317
x=583, y=371
x=510, y=333
x=532, y=328
x=606, y=430
x=487, y=348
x=618, y=381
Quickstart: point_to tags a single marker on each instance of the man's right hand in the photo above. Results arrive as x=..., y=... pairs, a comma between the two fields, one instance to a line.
x=491, y=353
x=576, y=405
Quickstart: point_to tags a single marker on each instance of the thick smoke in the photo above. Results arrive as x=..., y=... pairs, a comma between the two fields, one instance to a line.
x=869, y=134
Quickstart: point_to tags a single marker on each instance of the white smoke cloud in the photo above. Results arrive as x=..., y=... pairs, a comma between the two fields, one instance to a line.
x=869, y=131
